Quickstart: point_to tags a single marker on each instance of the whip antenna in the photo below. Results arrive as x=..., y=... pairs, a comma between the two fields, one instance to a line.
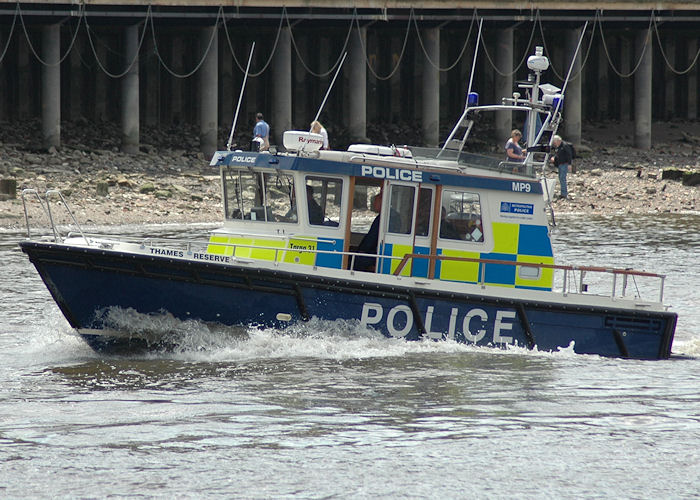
x=240, y=98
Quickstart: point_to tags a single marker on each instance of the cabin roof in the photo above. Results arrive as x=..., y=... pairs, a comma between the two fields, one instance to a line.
x=371, y=166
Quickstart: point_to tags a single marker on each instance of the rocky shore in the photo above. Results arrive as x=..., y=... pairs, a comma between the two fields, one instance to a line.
x=169, y=181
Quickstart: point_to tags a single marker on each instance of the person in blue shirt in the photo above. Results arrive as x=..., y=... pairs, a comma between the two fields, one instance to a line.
x=261, y=134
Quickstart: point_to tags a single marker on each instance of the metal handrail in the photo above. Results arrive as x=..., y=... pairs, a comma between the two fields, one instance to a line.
x=566, y=268
x=45, y=204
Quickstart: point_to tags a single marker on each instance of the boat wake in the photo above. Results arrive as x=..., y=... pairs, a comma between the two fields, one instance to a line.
x=194, y=340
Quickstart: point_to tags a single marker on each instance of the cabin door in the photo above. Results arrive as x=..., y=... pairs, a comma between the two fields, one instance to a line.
x=408, y=227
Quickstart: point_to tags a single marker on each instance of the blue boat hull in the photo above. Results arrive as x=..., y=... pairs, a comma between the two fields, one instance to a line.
x=87, y=282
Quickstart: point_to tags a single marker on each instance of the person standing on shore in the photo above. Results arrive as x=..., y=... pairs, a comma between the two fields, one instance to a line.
x=317, y=128
x=261, y=133
x=562, y=160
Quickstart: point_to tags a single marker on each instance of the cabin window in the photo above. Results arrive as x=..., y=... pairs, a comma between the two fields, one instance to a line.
x=460, y=217
x=365, y=204
x=401, y=209
x=257, y=196
x=425, y=207
x=529, y=272
x=279, y=198
x=323, y=201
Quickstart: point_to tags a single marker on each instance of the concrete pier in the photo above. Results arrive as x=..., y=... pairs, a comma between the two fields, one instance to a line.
x=100, y=104
x=209, y=91
x=572, y=100
x=51, y=86
x=281, y=88
x=175, y=103
x=626, y=94
x=504, y=82
x=357, y=86
x=692, y=80
x=669, y=48
x=151, y=77
x=431, y=87
x=229, y=91
x=24, y=82
x=76, y=88
x=642, y=91
x=602, y=87
x=130, y=91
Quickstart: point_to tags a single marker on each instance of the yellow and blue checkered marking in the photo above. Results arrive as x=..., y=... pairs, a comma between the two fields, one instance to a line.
x=302, y=250
x=521, y=243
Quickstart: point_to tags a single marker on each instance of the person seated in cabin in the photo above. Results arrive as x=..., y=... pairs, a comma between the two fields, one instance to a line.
x=447, y=229
x=317, y=128
x=315, y=210
x=514, y=152
x=370, y=241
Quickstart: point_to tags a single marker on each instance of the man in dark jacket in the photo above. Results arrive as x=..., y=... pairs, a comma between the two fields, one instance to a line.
x=562, y=160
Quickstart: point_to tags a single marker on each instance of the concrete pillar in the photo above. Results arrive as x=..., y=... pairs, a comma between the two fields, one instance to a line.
x=228, y=95
x=76, y=91
x=626, y=94
x=4, y=90
x=397, y=107
x=175, y=102
x=51, y=86
x=603, y=87
x=281, y=118
x=301, y=91
x=692, y=80
x=572, y=98
x=327, y=56
x=100, y=106
x=254, y=89
x=130, y=92
x=431, y=87
x=504, y=83
x=23, y=80
x=151, y=73
x=670, y=77
x=209, y=92
x=642, y=91
x=357, y=71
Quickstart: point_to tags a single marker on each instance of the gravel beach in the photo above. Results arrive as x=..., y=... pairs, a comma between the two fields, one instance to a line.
x=169, y=181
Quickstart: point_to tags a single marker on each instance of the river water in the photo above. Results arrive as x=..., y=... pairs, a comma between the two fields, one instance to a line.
x=327, y=411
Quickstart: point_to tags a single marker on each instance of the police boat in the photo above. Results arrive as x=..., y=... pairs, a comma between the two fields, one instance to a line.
x=413, y=243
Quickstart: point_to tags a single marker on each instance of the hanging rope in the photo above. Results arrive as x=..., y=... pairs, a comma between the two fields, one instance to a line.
x=522, y=61
x=31, y=46
x=337, y=61
x=398, y=63
x=641, y=54
x=198, y=65
x=663, y=54
x=9, y=37
x=585, y=58
x=274, y=47
x=436, y=65
x=133, y=61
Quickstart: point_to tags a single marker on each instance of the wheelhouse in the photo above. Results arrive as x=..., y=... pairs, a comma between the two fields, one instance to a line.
x=364, y=212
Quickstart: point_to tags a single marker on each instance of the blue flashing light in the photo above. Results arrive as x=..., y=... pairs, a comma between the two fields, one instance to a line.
x=555, y=102
x=473, y=99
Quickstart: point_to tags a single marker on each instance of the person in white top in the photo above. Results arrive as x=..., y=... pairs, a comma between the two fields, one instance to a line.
x=317, y=128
